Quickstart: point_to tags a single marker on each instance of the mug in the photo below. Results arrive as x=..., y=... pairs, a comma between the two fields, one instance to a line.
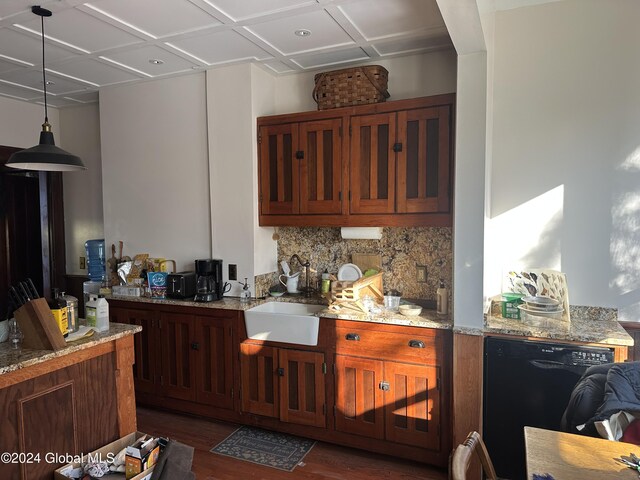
x=291, y=283
x=226, y=288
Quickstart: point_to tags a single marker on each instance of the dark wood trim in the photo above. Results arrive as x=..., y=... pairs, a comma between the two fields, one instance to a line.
x=360, y=220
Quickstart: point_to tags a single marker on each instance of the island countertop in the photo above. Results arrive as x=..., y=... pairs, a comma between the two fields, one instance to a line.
x=12, y=359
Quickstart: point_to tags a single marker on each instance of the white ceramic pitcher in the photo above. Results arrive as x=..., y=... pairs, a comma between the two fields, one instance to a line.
x=291, y=282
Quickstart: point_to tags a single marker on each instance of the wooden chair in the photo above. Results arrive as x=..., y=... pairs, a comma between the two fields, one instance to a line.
x=461, y=458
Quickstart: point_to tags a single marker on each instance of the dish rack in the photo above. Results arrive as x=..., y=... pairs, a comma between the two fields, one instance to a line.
x=349, y=294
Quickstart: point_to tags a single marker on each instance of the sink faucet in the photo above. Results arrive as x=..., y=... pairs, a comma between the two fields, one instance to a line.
x=308, y=290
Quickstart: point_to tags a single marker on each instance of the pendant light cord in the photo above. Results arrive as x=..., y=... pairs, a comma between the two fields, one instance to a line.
x=44, y=79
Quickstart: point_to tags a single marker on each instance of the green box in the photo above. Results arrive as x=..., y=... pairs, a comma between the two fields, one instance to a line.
x=510, y=302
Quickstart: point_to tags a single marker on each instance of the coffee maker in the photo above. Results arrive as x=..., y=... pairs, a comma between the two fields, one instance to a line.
x=209, y=283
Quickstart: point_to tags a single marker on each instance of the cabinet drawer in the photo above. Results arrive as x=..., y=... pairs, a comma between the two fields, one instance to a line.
x=363, y=342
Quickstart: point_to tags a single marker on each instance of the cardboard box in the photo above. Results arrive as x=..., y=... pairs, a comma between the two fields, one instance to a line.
x=108, y=451
x=141, y=456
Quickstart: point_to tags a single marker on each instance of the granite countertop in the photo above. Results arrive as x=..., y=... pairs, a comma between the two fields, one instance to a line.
x=15, y=359
x=427, y=319
x=587, y=325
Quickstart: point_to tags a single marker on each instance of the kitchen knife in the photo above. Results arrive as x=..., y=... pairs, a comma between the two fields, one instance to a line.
x=32, y=289
x=24, y=293
x=15, y=297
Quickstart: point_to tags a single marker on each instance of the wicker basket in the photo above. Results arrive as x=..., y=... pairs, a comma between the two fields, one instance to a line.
x=351, y=86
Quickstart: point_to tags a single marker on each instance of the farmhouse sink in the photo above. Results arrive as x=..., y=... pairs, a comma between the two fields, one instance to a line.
x=283, y=322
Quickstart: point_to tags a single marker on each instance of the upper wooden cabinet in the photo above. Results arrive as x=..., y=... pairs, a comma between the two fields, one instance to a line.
x=387, y=164
x=300, y=168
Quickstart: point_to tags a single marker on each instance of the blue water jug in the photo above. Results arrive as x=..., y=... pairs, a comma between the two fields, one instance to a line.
x=95, y=259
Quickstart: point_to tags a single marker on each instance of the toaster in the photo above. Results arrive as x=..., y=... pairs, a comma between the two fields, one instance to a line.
x=181, y=285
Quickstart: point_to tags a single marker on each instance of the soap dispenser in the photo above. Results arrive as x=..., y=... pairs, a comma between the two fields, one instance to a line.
x=245, y=294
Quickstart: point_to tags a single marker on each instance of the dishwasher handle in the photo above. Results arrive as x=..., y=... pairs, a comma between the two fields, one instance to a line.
x=548, y=364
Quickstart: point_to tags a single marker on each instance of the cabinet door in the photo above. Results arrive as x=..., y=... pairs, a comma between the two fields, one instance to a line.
x=258, y=377
x=279, y=172
x=178, y=372
x=423, y=162
x=373, y=167
x=321, y=167
x=359, y=399
x=214, y=361
x=146, y=372
x=302, y=396
x=412, y=405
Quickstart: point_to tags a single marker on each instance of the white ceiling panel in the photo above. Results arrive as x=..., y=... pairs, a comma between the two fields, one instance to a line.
x=33, y=78
x=278, y=67
x=383, y=18
x=28, y=48
x=7, y=65
x=220, y=47
x=97, y=72
x=331, y=58
x=242, y=10
x=17, y=91
x=89, y=97
x=325, y=33
x=160, y=18
x=407, y=45
x=140, y=57
x=84, y=31
x=118, y=38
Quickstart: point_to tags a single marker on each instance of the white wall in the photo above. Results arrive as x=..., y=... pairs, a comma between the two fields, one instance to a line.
x=155, y=168
x=21, y=123
x=80, y=134
x=565, y=174
x=231, y=159
x=409, y=77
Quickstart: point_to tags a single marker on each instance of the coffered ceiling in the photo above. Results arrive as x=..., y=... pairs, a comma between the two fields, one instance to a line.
x=94, y=44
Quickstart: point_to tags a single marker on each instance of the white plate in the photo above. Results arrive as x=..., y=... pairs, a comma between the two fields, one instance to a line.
x=542, y=313
x=349, y=272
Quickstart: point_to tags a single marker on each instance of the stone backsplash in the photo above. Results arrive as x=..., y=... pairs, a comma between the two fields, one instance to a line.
x=402, y=249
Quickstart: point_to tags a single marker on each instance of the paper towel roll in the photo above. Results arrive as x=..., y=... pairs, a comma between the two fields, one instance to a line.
x=361, y=233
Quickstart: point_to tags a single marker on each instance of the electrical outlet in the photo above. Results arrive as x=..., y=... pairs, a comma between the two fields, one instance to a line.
x=233, y=271
x=421, y=273
x=83, y=263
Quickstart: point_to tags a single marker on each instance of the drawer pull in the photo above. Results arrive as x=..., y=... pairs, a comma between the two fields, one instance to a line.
x=353, y=337
x=416, y=343
x=280, y=372
x=195, y=346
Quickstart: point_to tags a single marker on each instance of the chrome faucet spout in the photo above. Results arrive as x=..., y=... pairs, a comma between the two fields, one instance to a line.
x=308, y=290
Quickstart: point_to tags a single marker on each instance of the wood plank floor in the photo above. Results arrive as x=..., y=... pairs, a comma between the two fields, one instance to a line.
x=325, y=461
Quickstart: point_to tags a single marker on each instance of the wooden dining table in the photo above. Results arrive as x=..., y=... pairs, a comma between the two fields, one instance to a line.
x=576, y=457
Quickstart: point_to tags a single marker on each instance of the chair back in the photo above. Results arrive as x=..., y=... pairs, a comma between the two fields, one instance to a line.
x=461, y=458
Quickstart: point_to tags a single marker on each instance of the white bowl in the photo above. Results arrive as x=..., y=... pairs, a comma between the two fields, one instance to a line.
x=410, y=310
x=4, y=330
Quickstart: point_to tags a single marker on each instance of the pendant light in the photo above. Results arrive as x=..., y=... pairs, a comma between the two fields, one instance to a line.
x=45, y=156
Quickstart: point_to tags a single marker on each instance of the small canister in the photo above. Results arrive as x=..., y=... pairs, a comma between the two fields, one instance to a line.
x=72, y=312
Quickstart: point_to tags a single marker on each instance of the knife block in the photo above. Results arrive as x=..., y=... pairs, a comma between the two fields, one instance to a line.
x=38, y=326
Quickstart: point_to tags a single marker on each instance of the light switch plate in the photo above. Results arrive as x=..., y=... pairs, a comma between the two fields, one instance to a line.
x=233, y=271
x=421, y=276
x=83, y=263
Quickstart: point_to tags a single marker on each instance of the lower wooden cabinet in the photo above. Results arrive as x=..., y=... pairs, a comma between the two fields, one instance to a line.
x=284, y=383
x=380, y=387
x=183, y=356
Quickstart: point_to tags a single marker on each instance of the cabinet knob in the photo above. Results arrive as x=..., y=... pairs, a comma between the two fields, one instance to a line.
x=280, y=372
x=353, y=337
x=384, y=386
x=416, y=343
x=195, y=346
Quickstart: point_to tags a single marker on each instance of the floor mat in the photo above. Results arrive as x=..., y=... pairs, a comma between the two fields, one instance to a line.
x=272, y=449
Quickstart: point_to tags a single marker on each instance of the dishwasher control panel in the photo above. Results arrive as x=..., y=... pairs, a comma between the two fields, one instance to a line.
x=591, y=357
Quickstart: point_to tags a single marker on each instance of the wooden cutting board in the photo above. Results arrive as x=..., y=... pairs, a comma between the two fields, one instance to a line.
x=365, y=261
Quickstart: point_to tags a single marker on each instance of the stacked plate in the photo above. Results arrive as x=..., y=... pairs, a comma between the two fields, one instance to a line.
x=544, y=306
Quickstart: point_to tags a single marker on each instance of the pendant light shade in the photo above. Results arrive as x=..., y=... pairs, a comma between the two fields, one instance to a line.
x=45, y=156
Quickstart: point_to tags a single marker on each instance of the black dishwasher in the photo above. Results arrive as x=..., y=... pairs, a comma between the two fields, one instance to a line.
x=528, y=383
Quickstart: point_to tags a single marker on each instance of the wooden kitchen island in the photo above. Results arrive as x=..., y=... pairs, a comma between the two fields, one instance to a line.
x=66, y=402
